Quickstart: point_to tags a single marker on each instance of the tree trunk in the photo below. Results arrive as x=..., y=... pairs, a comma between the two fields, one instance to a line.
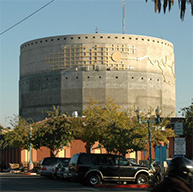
x=52, y=154
x=136, y=157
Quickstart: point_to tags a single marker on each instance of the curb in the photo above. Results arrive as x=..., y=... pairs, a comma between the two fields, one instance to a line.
x=123, y=186
x=29, y=173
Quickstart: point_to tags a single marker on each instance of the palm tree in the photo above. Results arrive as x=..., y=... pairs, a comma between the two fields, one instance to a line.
x=169, y=3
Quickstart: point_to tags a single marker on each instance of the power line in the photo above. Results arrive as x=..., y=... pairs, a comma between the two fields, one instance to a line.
x=26, y=17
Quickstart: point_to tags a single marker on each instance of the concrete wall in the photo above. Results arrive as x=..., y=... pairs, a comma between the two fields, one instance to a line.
x=67, y=70
x=38, y=93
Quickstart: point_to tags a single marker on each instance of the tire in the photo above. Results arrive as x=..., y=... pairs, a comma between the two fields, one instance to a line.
x=142, y=179
x=93, y=179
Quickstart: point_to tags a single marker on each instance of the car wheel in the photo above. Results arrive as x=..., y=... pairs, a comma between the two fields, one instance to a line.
x=93, y=179
x=142, y=179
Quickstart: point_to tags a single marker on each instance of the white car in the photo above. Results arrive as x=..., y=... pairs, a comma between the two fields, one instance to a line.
x=49, y=163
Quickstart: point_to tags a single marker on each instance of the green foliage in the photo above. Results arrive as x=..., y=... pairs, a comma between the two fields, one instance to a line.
x=117, y=131
x=160, y=133
x=95, y=120
x=22, y=169
x=188, y=122
x=169, y=3
x=18, y=136
x=3, y=143
x=119, y=134
x=1, y=127
x=54, y=132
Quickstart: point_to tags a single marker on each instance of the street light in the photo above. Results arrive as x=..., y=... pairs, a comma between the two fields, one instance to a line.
x=30, y=165
x=74, y=114
x=157, y=121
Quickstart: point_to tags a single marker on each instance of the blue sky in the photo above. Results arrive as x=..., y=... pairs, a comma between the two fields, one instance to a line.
x=63, y=17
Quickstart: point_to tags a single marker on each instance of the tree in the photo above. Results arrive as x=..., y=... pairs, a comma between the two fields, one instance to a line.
x=1, y=127
x=19, y=135
x=55, y=132
x=3, y=144
x=119, y=134
x=169, y=3
x=95, y=119
x=188, y=122
x=107, y=125
x=119, y=131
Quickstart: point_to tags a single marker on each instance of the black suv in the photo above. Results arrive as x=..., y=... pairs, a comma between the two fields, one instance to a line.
x=92, y=169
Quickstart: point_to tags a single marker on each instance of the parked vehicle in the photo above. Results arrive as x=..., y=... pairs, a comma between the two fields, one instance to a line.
x=92, y=169
x=49, y=163
x=132, y=160
x=61, y=170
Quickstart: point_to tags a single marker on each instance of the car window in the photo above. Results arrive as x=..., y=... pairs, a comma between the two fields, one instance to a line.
x=54, y=163
x=85, y=159
x=65, y=160
x=53, y=160
x=95, y=159
x=74, y=159
x=49, y=161
x=110, y=160
x=123, y=161
x=65, y=164
x=105, y=160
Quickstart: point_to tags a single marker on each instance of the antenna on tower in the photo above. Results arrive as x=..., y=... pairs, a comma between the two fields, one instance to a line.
x=123, y=4
x=96, y=30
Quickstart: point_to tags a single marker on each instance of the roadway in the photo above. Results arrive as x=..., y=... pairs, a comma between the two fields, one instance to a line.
x=10, y=182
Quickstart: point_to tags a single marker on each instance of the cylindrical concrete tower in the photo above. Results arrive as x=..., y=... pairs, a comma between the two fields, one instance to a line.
x=67, y=70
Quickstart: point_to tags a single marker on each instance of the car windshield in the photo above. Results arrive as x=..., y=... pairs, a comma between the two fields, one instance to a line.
x=63, y=164
x=132, y=163
x=123, y=161
x=54, y=160
x=55, y=163
x=49, y=161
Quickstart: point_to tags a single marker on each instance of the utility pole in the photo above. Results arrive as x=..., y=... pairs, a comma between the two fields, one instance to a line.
x=123, y=4
x=30, y=164
x=157, y=121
